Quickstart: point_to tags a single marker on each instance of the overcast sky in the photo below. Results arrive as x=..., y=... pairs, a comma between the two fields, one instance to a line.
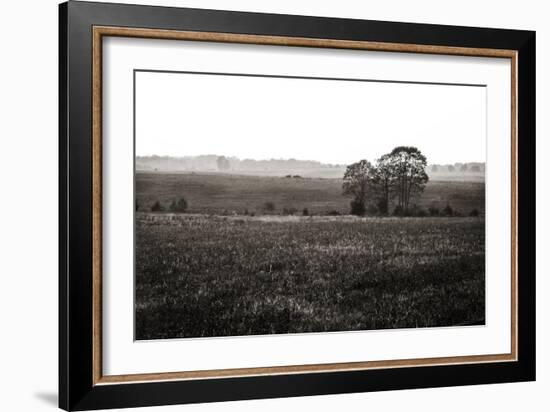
x=325, y=120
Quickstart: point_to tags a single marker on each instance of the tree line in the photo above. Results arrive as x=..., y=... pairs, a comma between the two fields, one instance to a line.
x=472, y=167
x=396, y=177
x=213, y=163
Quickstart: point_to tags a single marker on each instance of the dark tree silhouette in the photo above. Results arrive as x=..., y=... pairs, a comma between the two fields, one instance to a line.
x=409, y=172
x=400, y=174
x=157, y=207
x=358, y=183
x=384, y=181
x=178, y=206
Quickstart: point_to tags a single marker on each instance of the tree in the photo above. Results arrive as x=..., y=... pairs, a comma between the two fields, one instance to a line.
x=435, y=169
x=178, y=206
x=464, y=167
x=358, y=181
x=409, y=172
x=157, y=207
x=448, y=210
x=384, y=180
x=451, y=168
x=223, y=163
x=269, y=206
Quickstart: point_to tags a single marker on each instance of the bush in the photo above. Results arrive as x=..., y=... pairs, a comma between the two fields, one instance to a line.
x=382, y=206
x=433, y=211
x=421, y=212
x=448, y=210
x=178, y=206
x=372, y=210
x=416, y=211
x=357, y=208
x=157, y=207
x=269, y=206
x=297, y=177
x=399, y=211
x=474, y=213
x=333, y=213
x=289, y=210
x=305, y=212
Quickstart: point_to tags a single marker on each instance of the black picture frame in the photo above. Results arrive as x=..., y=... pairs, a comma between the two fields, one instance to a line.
x=77, y=390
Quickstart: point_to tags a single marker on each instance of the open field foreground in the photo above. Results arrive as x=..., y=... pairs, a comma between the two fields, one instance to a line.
x=201, y=275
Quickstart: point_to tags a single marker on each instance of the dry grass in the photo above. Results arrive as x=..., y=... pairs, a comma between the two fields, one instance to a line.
x=221, y=193
x=200, y=275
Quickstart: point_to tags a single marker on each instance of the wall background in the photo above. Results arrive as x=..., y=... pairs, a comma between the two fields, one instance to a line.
x=28, y=202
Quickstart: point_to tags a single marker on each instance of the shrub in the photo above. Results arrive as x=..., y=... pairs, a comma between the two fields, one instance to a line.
x=157, y=207
x=178, y=206
x=474, y=213
x=382, y=206
x=372, y=210
x=333, y=213
x=357, y=208
x=289, y=210
x=399, y=211
x=269, y=206
x=416, y=211
x=448, y=210
x=297, y=177
x=421, y=212
x=434, y=211
x=305, y=212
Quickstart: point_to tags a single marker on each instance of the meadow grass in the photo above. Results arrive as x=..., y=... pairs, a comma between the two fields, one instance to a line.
x=227, y=194
x=201, y=275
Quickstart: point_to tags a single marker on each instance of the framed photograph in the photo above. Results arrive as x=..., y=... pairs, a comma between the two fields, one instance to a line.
x=256, y=205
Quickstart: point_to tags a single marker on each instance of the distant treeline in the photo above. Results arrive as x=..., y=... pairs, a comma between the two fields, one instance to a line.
x=471, y=167
x=282, y=167
x=215, y=163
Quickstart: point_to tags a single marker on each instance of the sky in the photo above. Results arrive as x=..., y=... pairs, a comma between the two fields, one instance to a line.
x=338, y=122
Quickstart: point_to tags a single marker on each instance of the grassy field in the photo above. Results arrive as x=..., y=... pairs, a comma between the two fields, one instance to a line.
x=229, y=194
x=200, y=275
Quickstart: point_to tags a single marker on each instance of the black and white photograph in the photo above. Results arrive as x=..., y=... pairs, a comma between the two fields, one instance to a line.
x=275, y=206
x=269, y=204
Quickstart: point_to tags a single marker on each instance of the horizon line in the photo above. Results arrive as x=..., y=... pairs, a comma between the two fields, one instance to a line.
x=286, y=159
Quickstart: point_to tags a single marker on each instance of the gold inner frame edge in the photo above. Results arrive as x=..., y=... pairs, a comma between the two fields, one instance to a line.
x=98, y=32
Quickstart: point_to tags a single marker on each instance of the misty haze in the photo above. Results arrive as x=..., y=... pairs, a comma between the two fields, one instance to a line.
x=328, y=233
